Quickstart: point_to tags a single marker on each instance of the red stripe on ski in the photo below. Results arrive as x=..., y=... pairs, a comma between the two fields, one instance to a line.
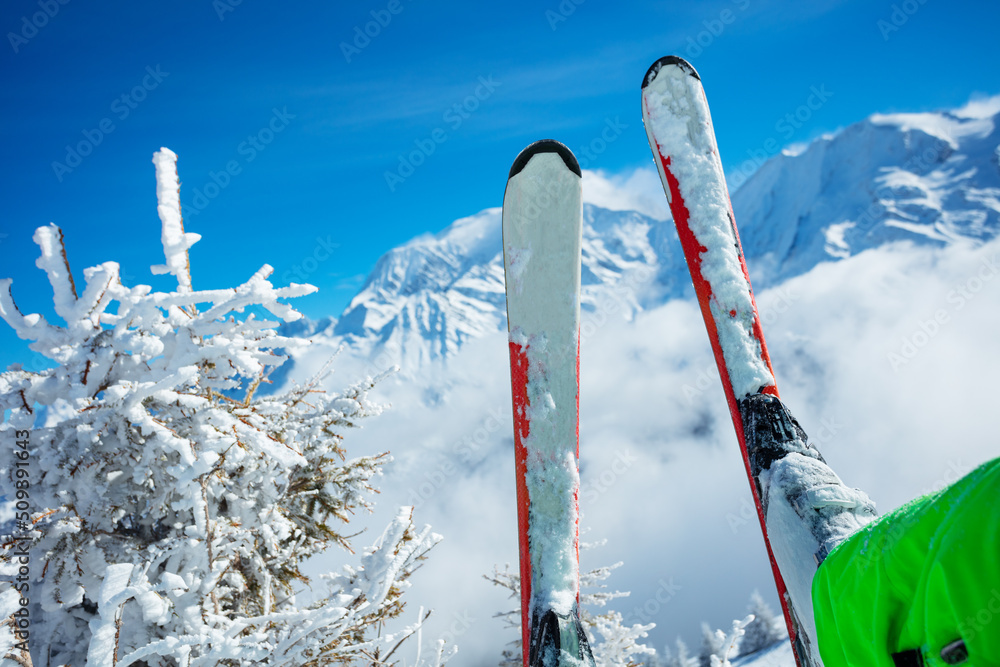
x=519, y=392
x=703, y=289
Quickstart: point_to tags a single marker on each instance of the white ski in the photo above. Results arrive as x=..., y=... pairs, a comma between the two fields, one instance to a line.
x=542, y=236
x=803, y=507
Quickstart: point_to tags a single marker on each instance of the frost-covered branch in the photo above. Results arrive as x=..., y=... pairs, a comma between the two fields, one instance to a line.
x=729, y=642
x=176, y=241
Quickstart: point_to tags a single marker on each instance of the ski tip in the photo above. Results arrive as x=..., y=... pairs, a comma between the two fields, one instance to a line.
x=675, y=61
x=545, y=146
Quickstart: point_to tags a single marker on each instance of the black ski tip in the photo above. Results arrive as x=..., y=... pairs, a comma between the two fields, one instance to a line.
x=545, y=146
x=655, y=68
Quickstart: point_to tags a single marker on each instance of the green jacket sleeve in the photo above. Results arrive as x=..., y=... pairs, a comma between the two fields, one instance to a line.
x=917, y=580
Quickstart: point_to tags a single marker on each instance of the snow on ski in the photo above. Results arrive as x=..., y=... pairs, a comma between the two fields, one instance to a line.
x=542, y=237
x=803, y=507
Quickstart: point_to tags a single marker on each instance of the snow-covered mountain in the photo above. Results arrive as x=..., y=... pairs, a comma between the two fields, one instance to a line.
x=427, y=298
x=928, y=178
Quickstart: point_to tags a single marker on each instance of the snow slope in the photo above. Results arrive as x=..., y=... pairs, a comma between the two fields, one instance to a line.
x=778, y=655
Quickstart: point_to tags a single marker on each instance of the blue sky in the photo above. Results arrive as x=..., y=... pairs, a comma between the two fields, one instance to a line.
x=309, y=128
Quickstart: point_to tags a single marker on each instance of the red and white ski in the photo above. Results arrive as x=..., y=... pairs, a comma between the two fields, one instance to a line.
x=542, y=237
x=803, y=507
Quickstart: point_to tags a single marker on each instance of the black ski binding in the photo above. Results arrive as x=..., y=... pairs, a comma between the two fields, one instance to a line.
x=555, y=634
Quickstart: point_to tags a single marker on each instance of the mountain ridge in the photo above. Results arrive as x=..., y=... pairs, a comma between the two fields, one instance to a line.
x=923, y=178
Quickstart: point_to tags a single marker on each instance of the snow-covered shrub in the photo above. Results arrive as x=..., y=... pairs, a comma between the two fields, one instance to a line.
x=618, y=645
x=759, y=630
x=725, y=644
x=682, y=658
x=713, y=644
x=167, y=507
x=764, y=630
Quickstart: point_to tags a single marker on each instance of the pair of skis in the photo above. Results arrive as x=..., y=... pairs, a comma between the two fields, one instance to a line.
x=542, y=226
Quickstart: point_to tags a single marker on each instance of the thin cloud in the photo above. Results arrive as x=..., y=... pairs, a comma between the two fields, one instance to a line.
x=637, y=190
x=980, y=106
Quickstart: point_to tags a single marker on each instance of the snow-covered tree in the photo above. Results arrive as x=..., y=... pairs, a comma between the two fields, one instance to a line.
x=683, y=657
x=764, y=630
x=650, y=660
x=729, y=642
x=713, y=643
x=165, y=507
x=618, y=645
